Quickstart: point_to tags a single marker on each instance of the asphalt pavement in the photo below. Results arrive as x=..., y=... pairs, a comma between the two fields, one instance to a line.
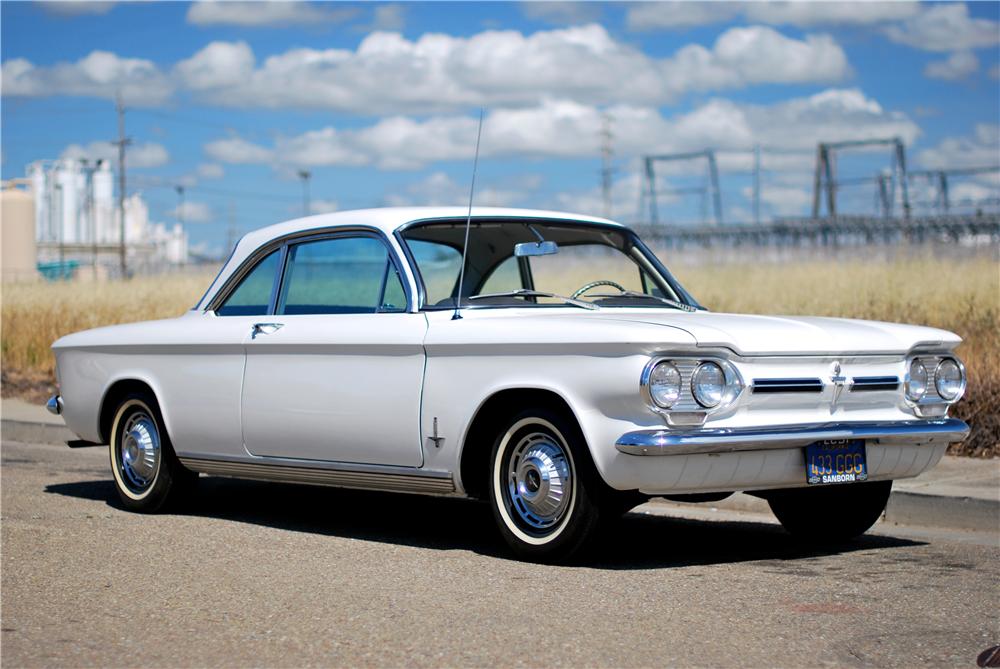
x=264, y=574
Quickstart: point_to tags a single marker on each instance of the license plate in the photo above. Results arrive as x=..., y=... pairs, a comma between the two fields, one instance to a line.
x=836, y=461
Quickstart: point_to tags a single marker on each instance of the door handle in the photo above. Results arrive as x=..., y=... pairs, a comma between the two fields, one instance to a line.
x=265, y=328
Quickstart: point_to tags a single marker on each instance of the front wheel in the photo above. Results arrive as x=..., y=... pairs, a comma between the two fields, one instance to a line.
x=543, y=487
x=830, y=513
x=147, y=474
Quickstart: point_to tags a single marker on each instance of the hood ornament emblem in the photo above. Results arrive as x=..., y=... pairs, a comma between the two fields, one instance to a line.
x=839, y=382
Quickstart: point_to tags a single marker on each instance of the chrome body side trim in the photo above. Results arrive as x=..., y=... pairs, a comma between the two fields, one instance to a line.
x=342, y=475
x=728, y=440
x=761, y=386
x=55, y=405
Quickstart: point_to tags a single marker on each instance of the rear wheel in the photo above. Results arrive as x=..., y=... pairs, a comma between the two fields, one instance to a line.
x=830, y=513
x=544, y=490
x=147, y=473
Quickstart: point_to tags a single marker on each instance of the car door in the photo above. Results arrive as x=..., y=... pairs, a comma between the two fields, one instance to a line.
x=335, y=373
x=201, y=380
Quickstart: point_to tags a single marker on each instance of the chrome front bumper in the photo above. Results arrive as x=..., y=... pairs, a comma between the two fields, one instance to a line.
x=728, y=440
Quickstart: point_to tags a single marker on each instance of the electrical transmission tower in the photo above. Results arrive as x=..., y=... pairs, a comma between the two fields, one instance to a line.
x=825, y=179
x=713, y=181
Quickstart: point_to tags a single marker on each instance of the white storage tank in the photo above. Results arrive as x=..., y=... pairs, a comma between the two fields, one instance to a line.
x=18, y=255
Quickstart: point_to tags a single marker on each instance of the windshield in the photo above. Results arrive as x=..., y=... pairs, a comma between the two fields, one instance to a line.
x=598, y=264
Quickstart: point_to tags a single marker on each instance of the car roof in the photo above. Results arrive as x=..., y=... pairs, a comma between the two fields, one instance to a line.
x=385, y=219
x=390, y=219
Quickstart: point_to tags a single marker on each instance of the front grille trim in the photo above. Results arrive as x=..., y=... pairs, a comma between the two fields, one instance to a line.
x=801, y=385
x=871, y=383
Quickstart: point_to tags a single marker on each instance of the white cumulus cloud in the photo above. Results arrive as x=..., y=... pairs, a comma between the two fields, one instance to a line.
x=439, y=189
x=211, y=171
x=259, y=14
x=945, y=27
x=192, y=212
x=99, y=74
x=681, y=14
x=436, y=72
x=981, y=149
x=562, y=13
x=566, y=129
x=76, y=7
x=144, y=154
x=958, y=65
x=237, y=151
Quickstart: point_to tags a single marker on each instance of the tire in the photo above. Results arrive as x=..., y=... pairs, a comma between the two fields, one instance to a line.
x=830, y=513
x=544, y=489
x=148, y=476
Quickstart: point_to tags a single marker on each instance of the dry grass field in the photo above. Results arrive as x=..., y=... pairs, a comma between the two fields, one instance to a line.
x=962, y=296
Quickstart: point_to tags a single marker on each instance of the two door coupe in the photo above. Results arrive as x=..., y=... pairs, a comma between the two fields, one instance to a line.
x=554, y=368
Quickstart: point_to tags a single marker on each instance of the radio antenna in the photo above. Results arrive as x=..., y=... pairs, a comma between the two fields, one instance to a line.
x=468, y=222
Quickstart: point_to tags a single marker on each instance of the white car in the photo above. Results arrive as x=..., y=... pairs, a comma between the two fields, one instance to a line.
x=564, y=376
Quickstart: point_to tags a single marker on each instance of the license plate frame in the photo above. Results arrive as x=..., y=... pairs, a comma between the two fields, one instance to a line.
x=836, y=462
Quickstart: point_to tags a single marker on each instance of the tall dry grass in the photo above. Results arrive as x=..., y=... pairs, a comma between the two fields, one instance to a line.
x=958, y=295
x=36, y=314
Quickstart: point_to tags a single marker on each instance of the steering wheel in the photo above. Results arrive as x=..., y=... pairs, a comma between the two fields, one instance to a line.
x=595, y=284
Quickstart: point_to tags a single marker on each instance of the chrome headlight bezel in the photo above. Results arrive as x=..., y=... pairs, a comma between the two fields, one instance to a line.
x=962, y=379
x=686, y=410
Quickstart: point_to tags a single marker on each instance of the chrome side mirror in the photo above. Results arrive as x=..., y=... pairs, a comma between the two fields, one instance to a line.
x=525, y=249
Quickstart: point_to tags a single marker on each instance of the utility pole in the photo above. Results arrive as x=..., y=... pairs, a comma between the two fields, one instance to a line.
x=607, y=166
x=180, y=204
x=231, y=229
x=304, y=175
x=756, y=184
x=122, y=142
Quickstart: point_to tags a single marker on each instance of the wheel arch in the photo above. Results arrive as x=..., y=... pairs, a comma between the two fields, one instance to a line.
x=116, y=391
x=476, y=447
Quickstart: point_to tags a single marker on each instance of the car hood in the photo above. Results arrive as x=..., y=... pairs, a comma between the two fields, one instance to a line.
x=794, y=335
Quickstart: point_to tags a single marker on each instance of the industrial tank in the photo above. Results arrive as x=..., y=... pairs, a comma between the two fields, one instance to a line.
x=17, y=233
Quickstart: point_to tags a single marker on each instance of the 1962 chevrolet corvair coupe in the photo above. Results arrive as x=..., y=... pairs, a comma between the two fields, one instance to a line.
x=574, y=378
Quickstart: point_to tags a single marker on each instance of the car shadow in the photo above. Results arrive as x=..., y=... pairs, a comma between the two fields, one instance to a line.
x=638, y=541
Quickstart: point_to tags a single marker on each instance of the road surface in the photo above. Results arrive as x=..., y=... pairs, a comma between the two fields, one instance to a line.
x=267, y=574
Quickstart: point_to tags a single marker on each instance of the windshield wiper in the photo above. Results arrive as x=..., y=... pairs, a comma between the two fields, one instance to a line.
x=666, y=300
x=524, y=292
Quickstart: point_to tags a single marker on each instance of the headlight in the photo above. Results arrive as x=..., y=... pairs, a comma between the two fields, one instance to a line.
x=664, y=385
x=916, y=381
x=708, y=384
x=949, y=380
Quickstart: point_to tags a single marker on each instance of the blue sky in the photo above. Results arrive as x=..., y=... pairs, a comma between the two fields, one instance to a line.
x=379, y=100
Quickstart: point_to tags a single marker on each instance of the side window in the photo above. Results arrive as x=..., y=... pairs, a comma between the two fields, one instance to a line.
x=439, y=266
x=342, y=275
x=253, y=296
x=393, y=297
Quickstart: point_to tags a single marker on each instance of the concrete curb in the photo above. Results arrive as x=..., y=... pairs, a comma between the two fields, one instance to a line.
x=954, y=513
x=904, y=508
x=35, y=432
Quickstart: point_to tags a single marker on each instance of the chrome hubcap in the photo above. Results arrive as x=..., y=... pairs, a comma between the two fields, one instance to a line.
x=539, y=481
x=139, y=452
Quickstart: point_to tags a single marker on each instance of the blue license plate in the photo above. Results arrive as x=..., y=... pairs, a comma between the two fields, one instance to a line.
x=836, y=461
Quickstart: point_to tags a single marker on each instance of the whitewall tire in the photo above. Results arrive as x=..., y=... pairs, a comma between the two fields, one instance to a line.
x=542, y=486
x=146, y=472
